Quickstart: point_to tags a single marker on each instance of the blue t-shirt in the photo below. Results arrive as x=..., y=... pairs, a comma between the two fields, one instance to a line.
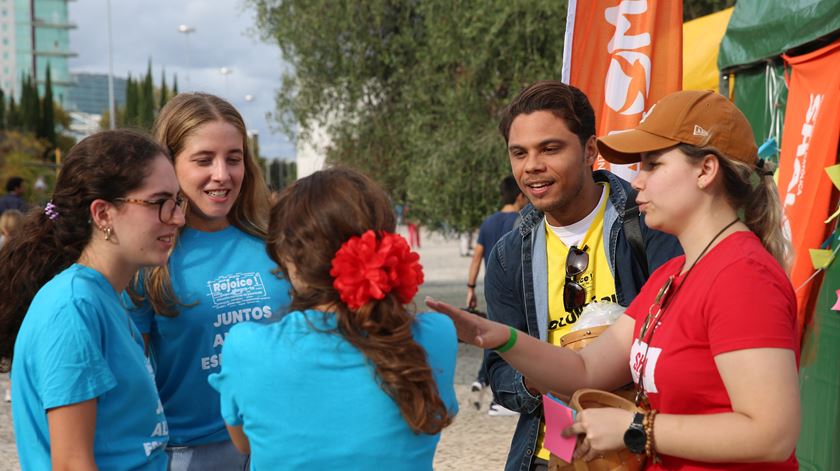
x=307, y=399
x=224, y=278
x=77, y=343
x=494, y=228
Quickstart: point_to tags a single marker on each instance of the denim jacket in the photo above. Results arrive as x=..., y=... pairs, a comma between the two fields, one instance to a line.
x=516, y=288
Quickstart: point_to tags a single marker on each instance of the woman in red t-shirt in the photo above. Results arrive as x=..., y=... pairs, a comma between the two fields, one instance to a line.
x=711, y=339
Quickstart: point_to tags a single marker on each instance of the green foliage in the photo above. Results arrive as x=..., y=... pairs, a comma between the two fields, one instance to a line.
x=164, y=91
x=131, y=109
x=410, y=92
x=21, y=155
x=146, y=103
x=696, y=8
x=175, y=85
x=2, y=110
x=47, y=123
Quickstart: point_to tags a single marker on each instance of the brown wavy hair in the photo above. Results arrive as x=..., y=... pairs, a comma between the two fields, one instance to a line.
x=311, y=220
x=177, y=121
x=107, y=165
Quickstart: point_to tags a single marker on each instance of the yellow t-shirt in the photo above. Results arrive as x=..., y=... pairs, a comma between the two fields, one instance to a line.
x=597, y=280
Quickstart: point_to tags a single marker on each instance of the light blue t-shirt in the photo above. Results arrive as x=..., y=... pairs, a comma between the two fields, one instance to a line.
x=307, y=399
x=77, y=343
x=228, y=276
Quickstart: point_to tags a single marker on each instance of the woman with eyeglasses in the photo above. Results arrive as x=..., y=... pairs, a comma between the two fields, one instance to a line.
x=84, y=395
x=711, y=340
x=218, y=275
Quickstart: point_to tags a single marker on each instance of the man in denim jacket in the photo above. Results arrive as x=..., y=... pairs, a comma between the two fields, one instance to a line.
x=549, y=129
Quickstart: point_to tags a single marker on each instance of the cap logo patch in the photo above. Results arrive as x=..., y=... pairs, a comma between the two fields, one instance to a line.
x=698, y=131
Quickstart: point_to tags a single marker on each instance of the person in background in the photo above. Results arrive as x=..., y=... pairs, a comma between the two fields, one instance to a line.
x=84, y=395
x=218, y=275
x=9, y=223
x=711, y=341
x=13, y=199
x=492, y=229
x=350, y=379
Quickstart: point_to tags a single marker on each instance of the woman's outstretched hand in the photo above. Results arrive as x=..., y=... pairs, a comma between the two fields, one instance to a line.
x=471, y=328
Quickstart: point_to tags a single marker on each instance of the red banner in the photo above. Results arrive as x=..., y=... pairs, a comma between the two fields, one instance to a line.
x=625, y=55
x=809, y=145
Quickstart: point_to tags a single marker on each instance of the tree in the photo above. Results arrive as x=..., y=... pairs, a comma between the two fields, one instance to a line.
x=696, y=8
x=30, y=105
x=175, y=84
x=131, y=105
x=146, y=105
x=410, y=92
x=2, y=110
x=13, y=118
x=164, y=92
x=47, y=118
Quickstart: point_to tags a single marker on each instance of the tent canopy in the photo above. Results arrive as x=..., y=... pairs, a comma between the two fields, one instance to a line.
x=760, y=29
x=701, y=41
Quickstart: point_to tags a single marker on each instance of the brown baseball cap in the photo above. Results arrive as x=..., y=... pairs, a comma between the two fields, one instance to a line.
x=698, y=118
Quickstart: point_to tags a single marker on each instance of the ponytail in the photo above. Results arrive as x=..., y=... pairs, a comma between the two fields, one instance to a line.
x=41, y=249
x=752, y=191
x=106, y=166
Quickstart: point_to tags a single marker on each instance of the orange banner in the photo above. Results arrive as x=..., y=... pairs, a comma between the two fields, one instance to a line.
x=809, y=145
x=625, y=55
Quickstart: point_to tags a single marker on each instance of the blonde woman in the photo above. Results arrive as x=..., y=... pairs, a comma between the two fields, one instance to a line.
x=218, y=275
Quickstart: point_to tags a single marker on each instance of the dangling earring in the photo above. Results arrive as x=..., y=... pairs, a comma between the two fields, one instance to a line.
x=107, y=231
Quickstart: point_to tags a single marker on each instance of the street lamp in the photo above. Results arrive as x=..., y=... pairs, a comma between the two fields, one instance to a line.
x=112, y=108
x=225, y=71
x=186, y=30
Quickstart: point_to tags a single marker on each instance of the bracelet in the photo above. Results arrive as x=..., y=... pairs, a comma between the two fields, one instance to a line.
x=510, y=342
x=471, y=285
x=650, y=445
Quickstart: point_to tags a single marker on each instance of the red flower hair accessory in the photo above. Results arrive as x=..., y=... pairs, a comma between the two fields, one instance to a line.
x=367, y=267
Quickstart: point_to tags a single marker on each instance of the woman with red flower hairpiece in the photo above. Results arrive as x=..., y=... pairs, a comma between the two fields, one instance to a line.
x=349, y=378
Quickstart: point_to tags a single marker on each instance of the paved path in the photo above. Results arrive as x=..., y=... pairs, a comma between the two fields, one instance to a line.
x=475, y=441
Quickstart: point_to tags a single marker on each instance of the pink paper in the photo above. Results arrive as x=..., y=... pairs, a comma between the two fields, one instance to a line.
x=557, y=418
x=836, y=306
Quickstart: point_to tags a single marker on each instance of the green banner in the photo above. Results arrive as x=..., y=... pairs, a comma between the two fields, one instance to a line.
x=761, y=29
x=819, y=380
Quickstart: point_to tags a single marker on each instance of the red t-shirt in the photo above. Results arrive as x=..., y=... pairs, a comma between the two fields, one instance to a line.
x=737, y=297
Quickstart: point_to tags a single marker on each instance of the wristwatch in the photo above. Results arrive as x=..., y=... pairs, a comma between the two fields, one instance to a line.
x=635, y=437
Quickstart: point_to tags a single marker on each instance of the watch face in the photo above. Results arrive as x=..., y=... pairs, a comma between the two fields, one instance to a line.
x=635, y=439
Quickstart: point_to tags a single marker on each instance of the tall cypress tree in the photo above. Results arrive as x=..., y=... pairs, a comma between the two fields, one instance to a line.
x=175, y=84
x=26, y=106
x=130, y=116
x=164, y=92
x=13, y=119
x=48, y=112
x=147, y=100
x=2, y=109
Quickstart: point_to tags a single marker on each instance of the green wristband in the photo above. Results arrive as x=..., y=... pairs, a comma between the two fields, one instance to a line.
x=510, y=342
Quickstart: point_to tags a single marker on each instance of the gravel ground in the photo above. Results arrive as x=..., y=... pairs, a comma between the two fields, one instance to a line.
x=474, y=441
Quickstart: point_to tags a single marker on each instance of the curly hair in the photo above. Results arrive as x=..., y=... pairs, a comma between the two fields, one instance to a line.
x=311, y=220
x=107, y=165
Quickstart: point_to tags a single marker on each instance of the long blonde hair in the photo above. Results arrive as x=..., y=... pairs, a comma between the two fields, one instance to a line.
x=178, y=120
x=752, y=192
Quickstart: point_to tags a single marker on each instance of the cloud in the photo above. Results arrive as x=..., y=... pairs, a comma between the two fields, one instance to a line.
x=224, y=37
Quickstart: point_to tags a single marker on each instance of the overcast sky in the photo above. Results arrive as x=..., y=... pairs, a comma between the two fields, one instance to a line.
x=224, y=37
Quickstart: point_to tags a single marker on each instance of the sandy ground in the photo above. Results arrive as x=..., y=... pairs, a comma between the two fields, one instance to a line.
x=475, y=441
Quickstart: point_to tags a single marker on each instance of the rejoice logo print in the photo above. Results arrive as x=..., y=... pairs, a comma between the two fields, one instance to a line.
x=238, y=288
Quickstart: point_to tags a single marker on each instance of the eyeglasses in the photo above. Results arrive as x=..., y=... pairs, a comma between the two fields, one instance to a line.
x=166, y=206
x=574, y=295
